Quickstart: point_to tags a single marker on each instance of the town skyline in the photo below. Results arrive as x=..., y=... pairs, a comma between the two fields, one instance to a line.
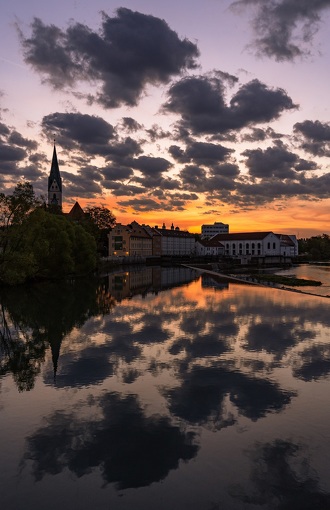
x=192, y=114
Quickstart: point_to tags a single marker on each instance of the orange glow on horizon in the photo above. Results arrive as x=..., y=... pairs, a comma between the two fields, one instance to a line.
x=303, y=219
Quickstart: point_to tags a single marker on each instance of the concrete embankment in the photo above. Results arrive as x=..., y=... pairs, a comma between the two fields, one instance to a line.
x=250, y=281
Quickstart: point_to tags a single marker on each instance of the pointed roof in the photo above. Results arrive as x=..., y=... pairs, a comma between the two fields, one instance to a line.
x=76, y=213
x=55, y=172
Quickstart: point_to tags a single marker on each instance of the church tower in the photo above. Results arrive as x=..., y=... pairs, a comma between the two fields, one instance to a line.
x=55, y=183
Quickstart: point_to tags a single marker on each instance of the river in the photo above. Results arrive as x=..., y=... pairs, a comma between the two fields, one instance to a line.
x=164, y=389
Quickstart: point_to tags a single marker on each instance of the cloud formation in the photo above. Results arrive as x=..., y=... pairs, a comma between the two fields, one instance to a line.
x=284, y=29
x=129, y=52
x=200, y=101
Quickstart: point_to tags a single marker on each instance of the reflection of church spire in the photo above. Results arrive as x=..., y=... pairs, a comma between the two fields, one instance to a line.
x=55, y=182
x=55, y=348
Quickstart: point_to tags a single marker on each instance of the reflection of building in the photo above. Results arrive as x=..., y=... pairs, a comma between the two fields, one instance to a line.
x=213, y=282
x=55, y=183
x=258, y=245
x=147, y=279
x=216, y=228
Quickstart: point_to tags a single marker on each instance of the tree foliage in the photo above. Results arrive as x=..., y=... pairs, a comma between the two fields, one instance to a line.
x=316, y=247
x=99, y=222
x=101, y=217
x=37, y=244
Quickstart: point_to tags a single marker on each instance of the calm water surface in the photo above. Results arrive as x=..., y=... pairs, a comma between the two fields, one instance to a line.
x=161, y=389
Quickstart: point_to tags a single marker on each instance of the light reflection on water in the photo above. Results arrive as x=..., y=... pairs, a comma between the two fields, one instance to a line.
x=162, y=389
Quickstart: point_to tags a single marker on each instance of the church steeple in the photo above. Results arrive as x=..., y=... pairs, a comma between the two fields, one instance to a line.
x=55, y=183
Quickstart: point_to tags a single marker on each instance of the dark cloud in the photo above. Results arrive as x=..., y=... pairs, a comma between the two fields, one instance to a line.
x=129, y=52
x=4, y=130
x=81, y=184
x=314, y=136
x=150, y=165
x=9, y=153
x=115, y=173
x=284, y=28
x=200, y=153
x=77, y=130
x=130, y=125
x=17, y=139
x=157, y=133
x=276, y=161
x=201, y=103
x=260, y=135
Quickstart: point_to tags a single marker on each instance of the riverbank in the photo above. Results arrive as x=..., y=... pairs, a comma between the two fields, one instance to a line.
x=253, y=280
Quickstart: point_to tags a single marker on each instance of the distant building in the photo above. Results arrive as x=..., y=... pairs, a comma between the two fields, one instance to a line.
x=129, y=241
x=216, y=228
x=289, y=245
x=176, y=242
x=258, y=245
x=209, y=248
x=76, y=213
x=55, y=183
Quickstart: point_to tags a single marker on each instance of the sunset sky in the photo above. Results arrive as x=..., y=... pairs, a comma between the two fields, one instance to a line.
x=185, y=111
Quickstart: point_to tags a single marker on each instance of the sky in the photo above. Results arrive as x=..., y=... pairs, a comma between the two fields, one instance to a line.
x=186, y=112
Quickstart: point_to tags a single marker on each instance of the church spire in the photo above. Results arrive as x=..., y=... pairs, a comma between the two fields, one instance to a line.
x=55, y=182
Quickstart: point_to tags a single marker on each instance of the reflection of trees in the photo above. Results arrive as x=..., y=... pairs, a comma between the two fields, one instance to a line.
x=282, y=479
x=128, y=447
x=41, y=315
x=21, y=353
x=200, y=398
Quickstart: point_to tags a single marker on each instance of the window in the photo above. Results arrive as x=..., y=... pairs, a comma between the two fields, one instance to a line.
x=118, y=243
x=274, y=246
x=268, y=246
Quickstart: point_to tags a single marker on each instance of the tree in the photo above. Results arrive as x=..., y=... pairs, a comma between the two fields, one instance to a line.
x=15, y=208
x=100, y=221
x=50, y=247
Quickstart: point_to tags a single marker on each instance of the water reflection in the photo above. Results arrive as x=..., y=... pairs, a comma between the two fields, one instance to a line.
x=201, y=396
x=39, y=316
x=164, y=376
x=128, y=447
x=282, y=478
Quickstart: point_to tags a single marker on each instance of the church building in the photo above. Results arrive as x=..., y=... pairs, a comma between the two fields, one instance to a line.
x=55, y=183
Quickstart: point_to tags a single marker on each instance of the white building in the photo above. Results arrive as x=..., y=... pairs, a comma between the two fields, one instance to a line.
x=216, y=228
x=249, y=245
x=209, y=248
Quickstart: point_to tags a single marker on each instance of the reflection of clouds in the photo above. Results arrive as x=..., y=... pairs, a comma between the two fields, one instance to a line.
x=314, y=363
x=201, y=396
x=276, y=338
x=127, y=447
x=282, y=479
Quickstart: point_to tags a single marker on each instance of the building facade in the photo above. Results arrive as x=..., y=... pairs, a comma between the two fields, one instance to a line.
x=216, y=228
x=209, y=248
x=257, y=245
x=176, y=242
x=129, y=241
